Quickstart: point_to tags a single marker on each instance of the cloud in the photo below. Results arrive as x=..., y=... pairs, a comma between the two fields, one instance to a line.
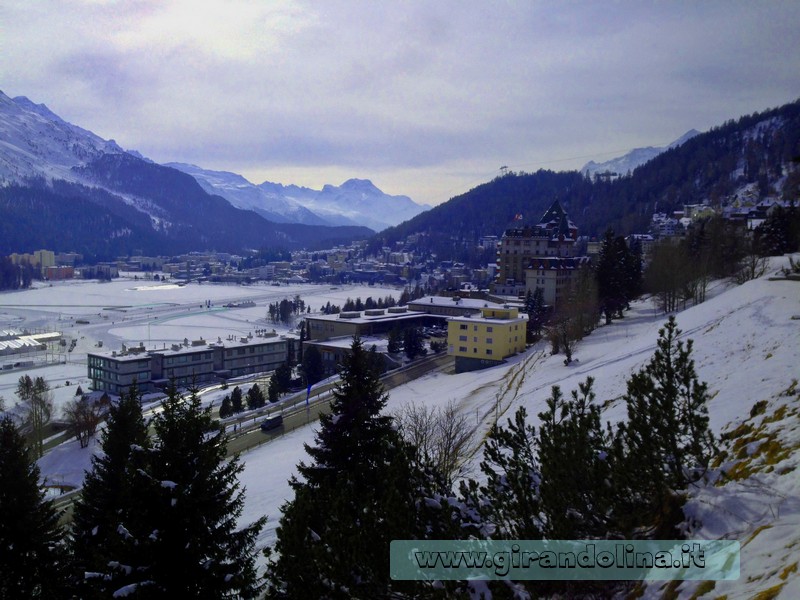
x=413, y=90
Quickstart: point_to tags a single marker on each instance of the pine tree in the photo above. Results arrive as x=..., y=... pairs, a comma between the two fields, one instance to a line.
x=395, y=341
x=237, y=405
x=632, y=270
x=357, y=493
x=183, y=538
x=574, y=455
x=273, y=391
x=611, y=287
x=255, y=397
x=33, y=561
x=507, y=504
x=303, y=338
x=667, y=439
x=226, y=407
x=313, y=370
x=413, y=344
x=108, y=497
x=283, y=377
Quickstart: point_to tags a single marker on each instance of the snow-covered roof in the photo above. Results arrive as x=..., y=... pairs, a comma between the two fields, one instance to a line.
x=448, y=302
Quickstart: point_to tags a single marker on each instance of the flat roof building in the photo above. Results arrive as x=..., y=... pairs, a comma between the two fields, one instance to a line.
x=184, y=364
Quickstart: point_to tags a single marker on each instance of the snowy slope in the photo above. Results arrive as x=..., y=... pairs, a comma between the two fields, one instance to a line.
x=622, y=165
x=747, y=348
x=35, y=142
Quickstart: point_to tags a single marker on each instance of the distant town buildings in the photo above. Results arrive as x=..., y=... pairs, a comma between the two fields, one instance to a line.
x=41, y=259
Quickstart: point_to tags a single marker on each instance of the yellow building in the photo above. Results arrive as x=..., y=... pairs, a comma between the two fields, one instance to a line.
x=486, y=340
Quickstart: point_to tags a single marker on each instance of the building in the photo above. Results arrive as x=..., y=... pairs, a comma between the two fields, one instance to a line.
x=59, y=273
x=333, y=351
x=184, y=364
x=364, y=323
x=553, y=275
x=40, y=259
x=15, y=343
x=483, y=341
x=553, y=236
x=543, y=256
x=447, y=306
x=423, y=312
x=115, y=372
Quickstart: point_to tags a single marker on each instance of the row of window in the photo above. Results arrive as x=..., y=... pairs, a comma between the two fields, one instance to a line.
x=184, y=358
x=463, y=338
x=474, y=350
x=97, y=374
x=464, y=327
x=104, y=363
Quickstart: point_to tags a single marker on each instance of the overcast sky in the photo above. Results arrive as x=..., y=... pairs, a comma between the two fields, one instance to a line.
x=425, y=98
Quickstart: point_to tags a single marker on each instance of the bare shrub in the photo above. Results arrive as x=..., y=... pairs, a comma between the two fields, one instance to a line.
x=440, y=435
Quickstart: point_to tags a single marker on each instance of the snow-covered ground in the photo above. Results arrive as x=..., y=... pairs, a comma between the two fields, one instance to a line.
x=132, y=309
x=746, y=347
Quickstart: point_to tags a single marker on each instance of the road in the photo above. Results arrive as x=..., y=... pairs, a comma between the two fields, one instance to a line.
x=296, y=414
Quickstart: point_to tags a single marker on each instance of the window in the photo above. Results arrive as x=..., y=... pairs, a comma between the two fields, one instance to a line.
x=462, y=348
x=474, y=328
x=489, y=351
x=475, y=339
x=463, y=326
x=474, y=350
x=488, y=340
x=489, y=330
x=462, y=338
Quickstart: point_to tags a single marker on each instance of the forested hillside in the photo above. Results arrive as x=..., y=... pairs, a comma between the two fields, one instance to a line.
x=753, y=157
x=152, y=209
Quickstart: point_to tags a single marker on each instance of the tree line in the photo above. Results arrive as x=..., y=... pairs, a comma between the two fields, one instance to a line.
x=286, y=310
x=676, y=274
x=16, y=277
x=680, y=271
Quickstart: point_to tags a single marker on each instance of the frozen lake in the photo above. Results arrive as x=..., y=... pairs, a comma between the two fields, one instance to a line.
x=130, y=310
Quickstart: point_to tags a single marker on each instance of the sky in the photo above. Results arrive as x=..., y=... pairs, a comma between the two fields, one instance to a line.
x=426, y=99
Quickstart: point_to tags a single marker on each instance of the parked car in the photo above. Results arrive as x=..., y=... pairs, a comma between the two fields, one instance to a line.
x=271, y=423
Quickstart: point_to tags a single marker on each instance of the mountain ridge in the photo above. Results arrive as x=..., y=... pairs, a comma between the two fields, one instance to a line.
x=622, y=165
x=354, y=202
x=51, y=167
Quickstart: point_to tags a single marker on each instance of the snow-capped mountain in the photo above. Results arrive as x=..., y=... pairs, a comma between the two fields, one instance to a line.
x=355, y=202
x=35, y=142
x=65, y=188
x=359, y=201
x=622, y=165
x=274, y=206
